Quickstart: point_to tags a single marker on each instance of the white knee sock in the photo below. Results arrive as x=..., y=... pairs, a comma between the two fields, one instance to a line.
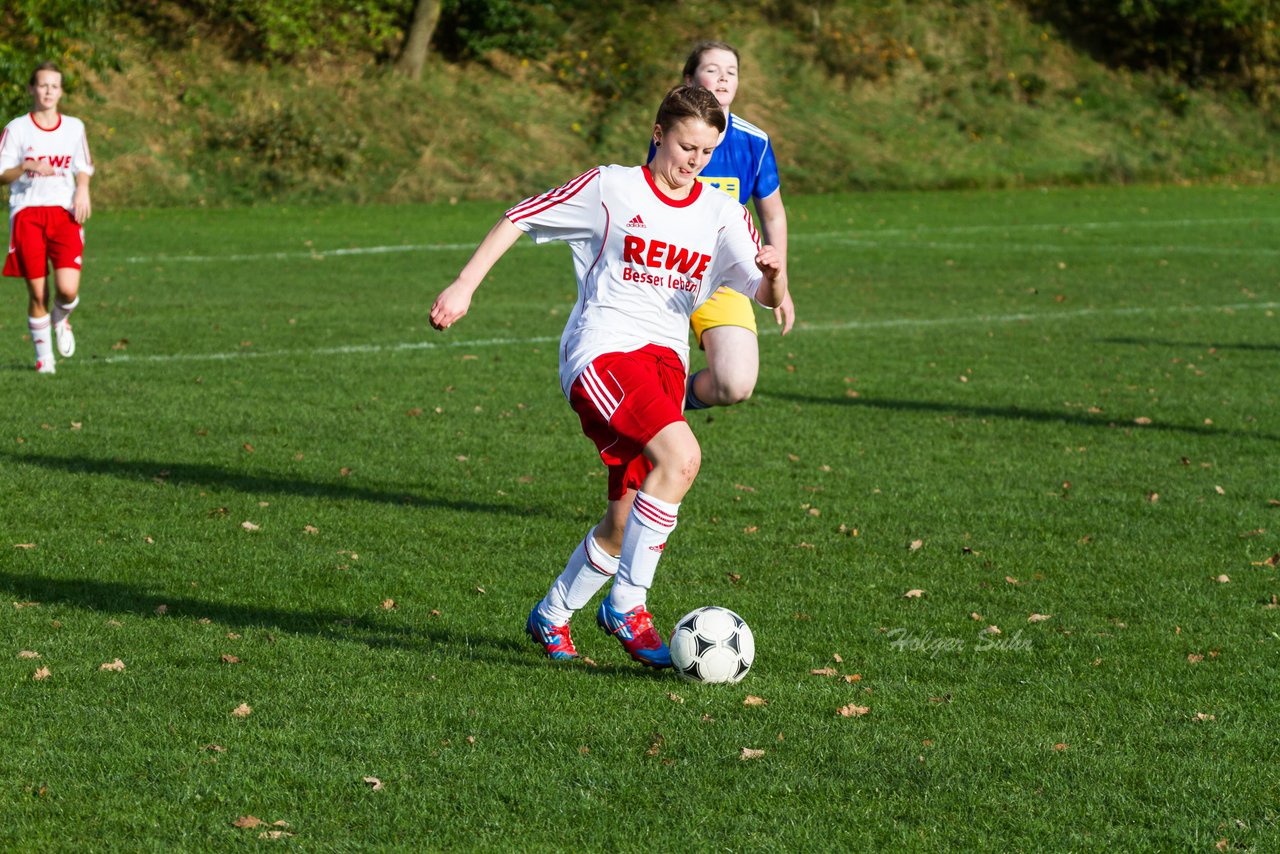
x=42, y=338
x=650, y=523
x=62, y=312
x=589, y=568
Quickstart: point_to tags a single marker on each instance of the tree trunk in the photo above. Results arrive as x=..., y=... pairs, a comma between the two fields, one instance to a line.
x=418, y=42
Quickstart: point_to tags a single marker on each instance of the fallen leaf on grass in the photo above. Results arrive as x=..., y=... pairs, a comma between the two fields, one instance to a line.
x=853, y=677
x=21, y=605
x=1201, y=716
x=388, y=604
x=1194, y=658
x=311, y=529
x=274, y=834
x=214, y=748
x=248, y=822
x=853, y=710
x=1143, y=420
x=249, y=526
x=162, y=609
x=242, y=711
x=1039, y=618
x=1060, y=747
x=913, y=594
x=229, y=659
x=24, y=545
x=26, y=653
x=375, y=784
x=41, y=674
x=116, y=665
x=824, y=671
x=916, y=545
x=675, y=698
x=753, y=700
x=749, y=753
x=1223, y=579
x=655, y=744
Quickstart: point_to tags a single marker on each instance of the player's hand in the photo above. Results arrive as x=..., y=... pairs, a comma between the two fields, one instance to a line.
x=769, y=262
x=80, y=205
x=785, y=314
x=451, y=305
x=40, y=167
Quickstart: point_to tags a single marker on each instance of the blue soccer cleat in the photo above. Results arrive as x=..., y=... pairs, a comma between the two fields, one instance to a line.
x=554, y=640
x=634, y=629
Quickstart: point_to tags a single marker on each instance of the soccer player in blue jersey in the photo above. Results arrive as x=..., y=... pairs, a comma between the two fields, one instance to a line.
x=743, y=166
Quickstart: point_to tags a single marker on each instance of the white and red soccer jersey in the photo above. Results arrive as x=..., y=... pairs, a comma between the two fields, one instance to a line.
x=64, y=146
x=643, y=261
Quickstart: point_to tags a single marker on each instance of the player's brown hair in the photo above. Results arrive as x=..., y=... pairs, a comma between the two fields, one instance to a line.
x=45, y=66
x=690, y=102
x=691, y=64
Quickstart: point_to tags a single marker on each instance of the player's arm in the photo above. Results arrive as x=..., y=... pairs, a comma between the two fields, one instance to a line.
x=454, y=301
x=773, y=225
x=30, y=164
x=80, y=201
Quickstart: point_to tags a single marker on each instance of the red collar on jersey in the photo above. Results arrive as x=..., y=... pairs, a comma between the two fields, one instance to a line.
x=694, y=191
x=42, y=127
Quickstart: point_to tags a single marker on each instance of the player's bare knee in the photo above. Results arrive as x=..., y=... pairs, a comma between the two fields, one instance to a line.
x=733, y=389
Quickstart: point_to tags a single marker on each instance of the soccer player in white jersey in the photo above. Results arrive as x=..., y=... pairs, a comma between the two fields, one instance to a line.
x=744, y=167
x=44, y=158
x=649, y=244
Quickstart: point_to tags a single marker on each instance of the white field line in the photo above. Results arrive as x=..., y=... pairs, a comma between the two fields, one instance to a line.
x=1166, y=249
x=858, y=325
x=869, y=238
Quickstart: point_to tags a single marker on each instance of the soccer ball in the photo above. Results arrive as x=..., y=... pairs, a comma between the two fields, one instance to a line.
x=712, y=644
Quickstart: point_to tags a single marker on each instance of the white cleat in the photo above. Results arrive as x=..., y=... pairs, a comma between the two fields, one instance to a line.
x=65, y=338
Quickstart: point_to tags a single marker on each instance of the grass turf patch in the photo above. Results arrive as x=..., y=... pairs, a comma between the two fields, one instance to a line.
x=1028, y=403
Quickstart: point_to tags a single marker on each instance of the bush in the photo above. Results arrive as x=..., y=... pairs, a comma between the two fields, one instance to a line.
x=37, y=31
x=1196, y=40
x=283, y=30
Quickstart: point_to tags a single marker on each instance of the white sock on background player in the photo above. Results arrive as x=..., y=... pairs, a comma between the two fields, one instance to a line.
x=42, y=338
x=62, y=329
x=650, y=523
x=589, y=568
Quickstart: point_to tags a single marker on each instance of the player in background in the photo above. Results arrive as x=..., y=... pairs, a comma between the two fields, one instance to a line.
x=649, y=244
x=744, y=167
x=44, y=158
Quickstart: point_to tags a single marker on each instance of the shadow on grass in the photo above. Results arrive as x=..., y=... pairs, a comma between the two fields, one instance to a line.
x=1015, y=413
x=116, y=598
x=209, y=476
x=1190, y=345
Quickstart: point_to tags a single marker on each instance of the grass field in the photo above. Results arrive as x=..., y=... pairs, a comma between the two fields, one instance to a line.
x=1055, y=403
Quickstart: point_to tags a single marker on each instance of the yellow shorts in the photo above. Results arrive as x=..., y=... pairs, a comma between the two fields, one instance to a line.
x=726, y=307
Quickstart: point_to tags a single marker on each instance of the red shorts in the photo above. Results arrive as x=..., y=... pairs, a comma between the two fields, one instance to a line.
x=623, y=401
x=40, y=235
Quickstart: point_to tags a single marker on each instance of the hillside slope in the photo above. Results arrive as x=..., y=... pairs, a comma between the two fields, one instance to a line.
x=981, y=97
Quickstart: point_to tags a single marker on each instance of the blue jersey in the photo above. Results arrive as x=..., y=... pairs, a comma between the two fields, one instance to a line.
x=743, y=164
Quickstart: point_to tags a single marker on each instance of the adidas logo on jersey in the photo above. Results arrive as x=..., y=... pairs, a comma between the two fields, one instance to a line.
x=636, y=222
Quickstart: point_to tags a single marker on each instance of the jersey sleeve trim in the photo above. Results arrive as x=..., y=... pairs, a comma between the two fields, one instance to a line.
x=536, y=205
